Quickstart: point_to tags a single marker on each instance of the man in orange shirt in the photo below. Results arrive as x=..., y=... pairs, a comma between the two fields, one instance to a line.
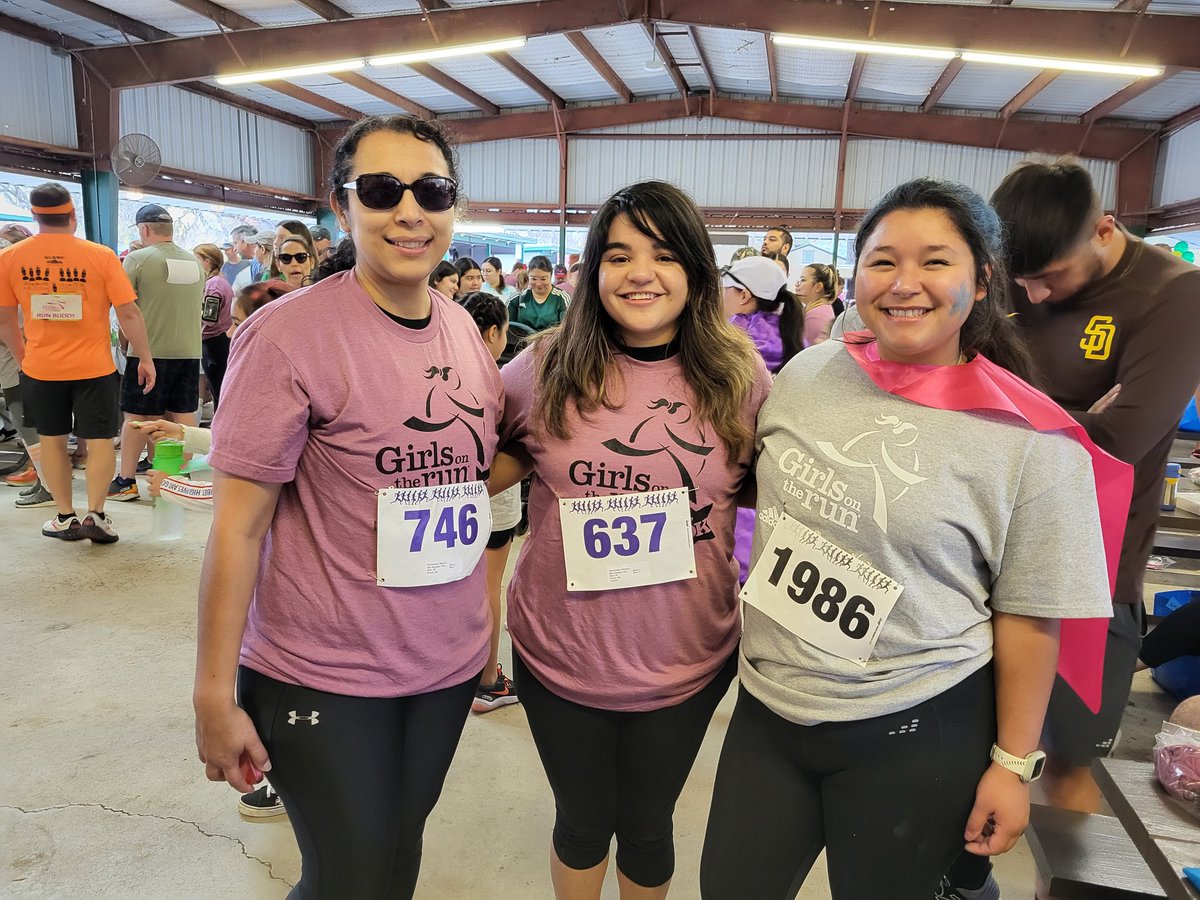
x=64, y=287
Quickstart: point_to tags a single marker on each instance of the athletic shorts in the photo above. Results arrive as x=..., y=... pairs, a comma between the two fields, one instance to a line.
x=1073, y=733
x=85, y=406
x=500, y=538
x=176, y=388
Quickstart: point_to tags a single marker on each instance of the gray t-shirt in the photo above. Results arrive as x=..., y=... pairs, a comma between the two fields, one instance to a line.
x=170, y=292
x=970, y=512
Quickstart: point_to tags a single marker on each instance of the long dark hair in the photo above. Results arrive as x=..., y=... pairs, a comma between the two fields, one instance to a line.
x=575, y=361
x=987, y=330
x=343, y=161
x=442, y=270
x=791, y=321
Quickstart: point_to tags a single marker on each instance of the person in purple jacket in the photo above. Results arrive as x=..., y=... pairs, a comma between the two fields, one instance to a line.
x=635, y=417
x=341, y=585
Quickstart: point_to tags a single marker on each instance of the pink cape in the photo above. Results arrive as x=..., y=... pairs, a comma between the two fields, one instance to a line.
x=983, y=385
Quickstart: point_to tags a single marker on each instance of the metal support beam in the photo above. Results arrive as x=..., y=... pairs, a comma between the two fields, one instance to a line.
x=1135, y=184
x=440, y=78
x=856, y=72
x=603, y=69
x=251, y=106
x=839, y=192
x=1182, y=120
x=97, y=127
x=1027, y=93
x=1025, y=135
x=705, y=65
x=1086, y=34
x=94, y=12
x=943, y=83
x=331, y=12
x=530, y=80
x=379, y=92
x=313, y=99
x=772, y=67
x=660, y=47
x=1136, y=6
x=1123, y=96
x=226, y=18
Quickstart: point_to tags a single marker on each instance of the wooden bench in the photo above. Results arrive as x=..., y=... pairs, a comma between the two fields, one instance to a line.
x=1086, y=857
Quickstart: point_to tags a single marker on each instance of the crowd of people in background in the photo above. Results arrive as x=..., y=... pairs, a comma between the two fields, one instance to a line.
x=903, y=641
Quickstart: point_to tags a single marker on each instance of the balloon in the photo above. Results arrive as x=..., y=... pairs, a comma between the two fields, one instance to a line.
x=1189, y=256
x=1180, y=246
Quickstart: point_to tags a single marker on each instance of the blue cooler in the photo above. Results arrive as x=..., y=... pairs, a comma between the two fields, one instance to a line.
x=1191, y=419
x=1180, y=677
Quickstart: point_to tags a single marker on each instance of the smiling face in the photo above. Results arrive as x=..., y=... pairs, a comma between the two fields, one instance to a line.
x=396, y=248
x=916, y=285
x=642, y=285
x=294, y=272
x=447, y=285
x=540, y=282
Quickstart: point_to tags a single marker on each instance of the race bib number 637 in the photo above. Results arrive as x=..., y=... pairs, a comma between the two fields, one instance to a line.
x=824, y=595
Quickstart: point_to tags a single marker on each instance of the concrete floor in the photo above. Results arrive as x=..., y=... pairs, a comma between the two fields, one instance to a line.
x=101, y=794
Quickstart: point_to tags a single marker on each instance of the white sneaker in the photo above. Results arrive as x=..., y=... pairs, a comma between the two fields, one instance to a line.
x=70, y=530
x=98, y=528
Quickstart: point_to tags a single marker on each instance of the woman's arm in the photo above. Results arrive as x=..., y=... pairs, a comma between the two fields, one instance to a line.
x=510, y=466
x=1025, y=656
x=225, y=736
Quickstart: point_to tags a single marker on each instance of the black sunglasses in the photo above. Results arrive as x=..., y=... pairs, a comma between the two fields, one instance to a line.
x=378, y=190
x=286, y=258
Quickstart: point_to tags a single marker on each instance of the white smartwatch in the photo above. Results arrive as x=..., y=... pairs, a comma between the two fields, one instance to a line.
x=1027, y=768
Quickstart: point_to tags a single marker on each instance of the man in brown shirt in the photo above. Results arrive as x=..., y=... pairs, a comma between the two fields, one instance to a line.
x=1113, y=323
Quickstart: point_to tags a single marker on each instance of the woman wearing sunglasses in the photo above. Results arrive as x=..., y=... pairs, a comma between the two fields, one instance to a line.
x=353, y=639
x=637, y=418
x=295, y=261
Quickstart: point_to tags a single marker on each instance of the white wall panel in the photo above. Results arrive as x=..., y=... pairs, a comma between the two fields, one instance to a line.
x=39, y=100
x=875, y=166
x=202, y=135
x=762, y=173
x=517, y=171
x=1178, y=174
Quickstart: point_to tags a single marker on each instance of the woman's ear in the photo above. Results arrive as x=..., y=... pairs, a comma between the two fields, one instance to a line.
x=338, y=212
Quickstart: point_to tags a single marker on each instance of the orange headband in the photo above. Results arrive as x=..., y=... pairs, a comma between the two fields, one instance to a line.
x=61, y=209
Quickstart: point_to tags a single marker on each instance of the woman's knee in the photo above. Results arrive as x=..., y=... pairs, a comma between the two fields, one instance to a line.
x=580, y=847
x=647, y=860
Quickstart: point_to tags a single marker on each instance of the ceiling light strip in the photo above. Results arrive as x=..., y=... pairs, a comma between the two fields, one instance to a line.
x=344, y=65
x=401, y=59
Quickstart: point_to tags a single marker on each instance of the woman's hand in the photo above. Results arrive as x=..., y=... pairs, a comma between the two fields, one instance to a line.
x=1000, y=815
x=229, y=746
x=159, y=429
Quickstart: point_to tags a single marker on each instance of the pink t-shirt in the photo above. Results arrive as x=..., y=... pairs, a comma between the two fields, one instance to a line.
x=330, y=397
x=637, y=648
x=817, y=323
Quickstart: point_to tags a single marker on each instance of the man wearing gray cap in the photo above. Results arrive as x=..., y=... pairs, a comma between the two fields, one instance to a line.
x=170, y=292
x=263, y=245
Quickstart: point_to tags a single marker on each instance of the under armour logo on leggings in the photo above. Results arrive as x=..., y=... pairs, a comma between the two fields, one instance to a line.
x=311, y=720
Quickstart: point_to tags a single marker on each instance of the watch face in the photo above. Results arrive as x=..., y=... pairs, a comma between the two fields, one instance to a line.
x=1038, y=765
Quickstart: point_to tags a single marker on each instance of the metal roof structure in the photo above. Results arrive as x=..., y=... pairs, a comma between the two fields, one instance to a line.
x=604, y=65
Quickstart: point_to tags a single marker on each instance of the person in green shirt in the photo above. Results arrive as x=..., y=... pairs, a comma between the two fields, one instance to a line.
x=542, y=306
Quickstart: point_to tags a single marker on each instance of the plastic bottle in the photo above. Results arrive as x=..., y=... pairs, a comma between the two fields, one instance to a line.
x=1170, y=487
x=168, y=516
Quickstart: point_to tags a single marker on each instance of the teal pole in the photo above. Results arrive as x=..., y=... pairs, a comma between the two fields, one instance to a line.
x=101, y=199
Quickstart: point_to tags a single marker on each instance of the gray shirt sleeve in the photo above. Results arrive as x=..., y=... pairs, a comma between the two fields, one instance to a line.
x=1053, y=563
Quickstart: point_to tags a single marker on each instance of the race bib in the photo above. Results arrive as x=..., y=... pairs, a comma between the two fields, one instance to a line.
x=627, y=540
x=57, y=307
x=819, y=592
x=431, y=535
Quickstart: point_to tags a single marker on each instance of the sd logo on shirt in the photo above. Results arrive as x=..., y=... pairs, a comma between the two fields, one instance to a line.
x=1098, y=342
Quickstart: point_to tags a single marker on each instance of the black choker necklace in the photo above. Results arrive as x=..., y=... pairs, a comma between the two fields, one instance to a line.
x=656, y=353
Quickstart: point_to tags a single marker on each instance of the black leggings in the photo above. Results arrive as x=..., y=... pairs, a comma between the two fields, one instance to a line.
x=617, y=773
x=358, y=777
x=888, y=798
x=214, y=357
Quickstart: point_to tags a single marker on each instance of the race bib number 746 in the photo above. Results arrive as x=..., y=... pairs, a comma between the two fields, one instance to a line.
x=824, y=595
x=431, y=535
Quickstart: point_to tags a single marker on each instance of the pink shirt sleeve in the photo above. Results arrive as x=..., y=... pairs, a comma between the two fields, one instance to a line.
x=261, y=426
x=817, y=324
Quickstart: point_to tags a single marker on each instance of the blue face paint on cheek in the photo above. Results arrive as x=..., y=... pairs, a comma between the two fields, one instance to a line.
x=963, y=298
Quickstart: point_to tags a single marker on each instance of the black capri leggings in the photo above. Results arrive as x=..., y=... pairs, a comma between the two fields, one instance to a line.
x=358, y=777
x=887, y=797
x=214, y=357
x=617, y=773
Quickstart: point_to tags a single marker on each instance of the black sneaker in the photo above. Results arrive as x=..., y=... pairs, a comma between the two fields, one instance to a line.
x=261, y=803
x=143, y=465
x=502, y=693
x=7, y=435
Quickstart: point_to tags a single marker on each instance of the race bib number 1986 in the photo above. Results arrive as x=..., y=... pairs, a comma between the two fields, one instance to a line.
x=822, y=594
x=431, y=535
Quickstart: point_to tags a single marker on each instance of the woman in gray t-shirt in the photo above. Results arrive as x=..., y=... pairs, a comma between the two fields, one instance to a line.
x=910, y=569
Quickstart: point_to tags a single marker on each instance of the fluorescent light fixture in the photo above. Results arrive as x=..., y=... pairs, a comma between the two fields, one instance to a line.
x=401, y=59
x=341, y=65
x=1069, y=65
x=795, y=40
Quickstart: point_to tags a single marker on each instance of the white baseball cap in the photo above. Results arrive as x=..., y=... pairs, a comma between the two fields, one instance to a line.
x=761, y=276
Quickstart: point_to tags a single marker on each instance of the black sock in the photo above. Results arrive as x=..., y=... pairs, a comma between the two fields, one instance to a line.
x=969, y=871
x=64, y=517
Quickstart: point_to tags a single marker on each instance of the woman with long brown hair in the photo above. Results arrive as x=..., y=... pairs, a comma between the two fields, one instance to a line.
x=635, y=417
